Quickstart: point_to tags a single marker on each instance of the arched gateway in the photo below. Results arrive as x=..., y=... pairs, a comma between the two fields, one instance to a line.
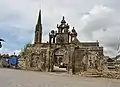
x=63, y=50
x=61, y=57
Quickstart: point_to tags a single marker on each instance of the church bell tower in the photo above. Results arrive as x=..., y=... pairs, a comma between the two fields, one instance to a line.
x=38, y=30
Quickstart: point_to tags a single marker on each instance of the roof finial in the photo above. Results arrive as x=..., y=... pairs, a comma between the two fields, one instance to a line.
x=63, y=20
x=73, y=30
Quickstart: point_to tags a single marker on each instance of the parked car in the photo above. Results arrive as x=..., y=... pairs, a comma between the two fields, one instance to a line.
x=9, y=62
x=62, y=65
x=13, y=62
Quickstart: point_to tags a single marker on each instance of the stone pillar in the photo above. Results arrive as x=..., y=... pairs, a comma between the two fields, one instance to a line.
x=39, y=63
x=73, y=58
x=48, y=58
x=53, y=39
x=73, y=63
x=44, y=61
x=51, y=61
x=68, y=65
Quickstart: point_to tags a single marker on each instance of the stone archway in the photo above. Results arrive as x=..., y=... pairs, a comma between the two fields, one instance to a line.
x=60, y=57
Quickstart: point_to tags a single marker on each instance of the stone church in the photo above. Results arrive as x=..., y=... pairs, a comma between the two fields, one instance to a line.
x=62, y=49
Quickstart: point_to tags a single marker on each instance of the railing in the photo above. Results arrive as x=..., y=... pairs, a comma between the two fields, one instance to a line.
x=113, y=65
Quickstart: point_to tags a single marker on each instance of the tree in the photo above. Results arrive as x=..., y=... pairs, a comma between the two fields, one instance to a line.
x=23, y=50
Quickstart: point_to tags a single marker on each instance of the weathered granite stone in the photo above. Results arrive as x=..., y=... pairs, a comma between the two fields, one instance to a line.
x=63, y=48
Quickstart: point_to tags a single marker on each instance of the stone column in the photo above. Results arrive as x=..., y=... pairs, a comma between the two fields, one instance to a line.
x=51, y=61
x=68, y=65
x=73, y=58
x=53, y=39
x=48, y=58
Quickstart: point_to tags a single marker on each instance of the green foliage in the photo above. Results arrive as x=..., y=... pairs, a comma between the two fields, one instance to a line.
x=23, y=50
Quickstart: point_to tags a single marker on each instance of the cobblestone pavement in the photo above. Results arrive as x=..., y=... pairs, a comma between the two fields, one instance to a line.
x=19, y=78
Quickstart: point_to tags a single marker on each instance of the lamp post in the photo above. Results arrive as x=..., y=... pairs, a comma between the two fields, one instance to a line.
x=1, y=40
x=0, y=45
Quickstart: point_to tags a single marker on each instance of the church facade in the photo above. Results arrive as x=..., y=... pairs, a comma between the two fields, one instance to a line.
x=62, y=49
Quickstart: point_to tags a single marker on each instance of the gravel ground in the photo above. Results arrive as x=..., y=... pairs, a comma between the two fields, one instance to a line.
x=19, y=78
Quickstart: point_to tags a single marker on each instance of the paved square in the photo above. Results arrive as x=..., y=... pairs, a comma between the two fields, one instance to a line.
x=19, y=78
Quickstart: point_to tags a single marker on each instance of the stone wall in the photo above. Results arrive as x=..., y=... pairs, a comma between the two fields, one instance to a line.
x=80, y=60
x=88, y=59
x=22, y=64
x=33, y=58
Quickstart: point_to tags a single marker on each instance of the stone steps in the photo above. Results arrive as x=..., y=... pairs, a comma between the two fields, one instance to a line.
x=92, y=73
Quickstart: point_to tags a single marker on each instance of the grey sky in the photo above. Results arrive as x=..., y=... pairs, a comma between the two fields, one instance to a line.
x=18, y=18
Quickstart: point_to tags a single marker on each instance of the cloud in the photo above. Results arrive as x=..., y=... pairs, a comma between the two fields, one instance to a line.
x=18, y=20
x=102, y=17
x=99, y=17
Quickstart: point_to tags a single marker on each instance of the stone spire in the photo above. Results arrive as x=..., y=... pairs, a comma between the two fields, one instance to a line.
x=38, y=30
x=39, y=18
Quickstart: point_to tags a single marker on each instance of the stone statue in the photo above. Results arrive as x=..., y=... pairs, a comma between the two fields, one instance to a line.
x=96, y=64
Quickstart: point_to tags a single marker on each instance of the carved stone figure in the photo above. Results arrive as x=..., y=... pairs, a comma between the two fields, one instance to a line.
x=59, y=39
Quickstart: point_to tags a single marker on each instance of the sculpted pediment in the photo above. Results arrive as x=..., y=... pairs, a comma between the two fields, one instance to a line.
x=60, y=52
